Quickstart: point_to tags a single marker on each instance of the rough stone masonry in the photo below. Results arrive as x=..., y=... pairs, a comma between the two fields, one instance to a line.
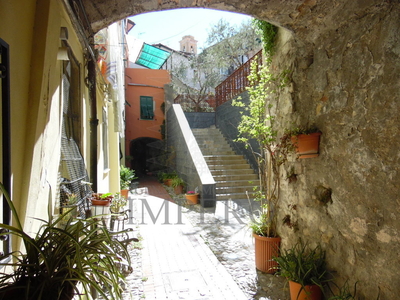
x=343, y=57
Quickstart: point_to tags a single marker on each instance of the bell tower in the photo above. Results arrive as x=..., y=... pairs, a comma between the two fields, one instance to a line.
x=188, y=44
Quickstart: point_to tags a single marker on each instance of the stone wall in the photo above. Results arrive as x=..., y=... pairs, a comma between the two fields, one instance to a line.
x=200, y=119
x=227, y=120
x=347, y=82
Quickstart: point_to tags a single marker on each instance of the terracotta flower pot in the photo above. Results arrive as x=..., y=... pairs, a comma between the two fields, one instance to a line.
x=192, y=198
x=265, y=249
x=168, y=182
x=307, y=145
x=100, y=202
x=178, y=189
x=309, y=292
x=125, y=193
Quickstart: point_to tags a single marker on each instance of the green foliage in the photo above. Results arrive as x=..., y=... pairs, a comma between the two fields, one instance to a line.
x=126, y=176
x=344, y=293
x=227, y=43
x=268, y=33
x=72, y=199
x=117, y=203
x=260, y=224
x=303, y=265
x=194, y=80
x=259, y=124
x=177, y=181
x=297, y=130
x=59, y=257
x=164, y=175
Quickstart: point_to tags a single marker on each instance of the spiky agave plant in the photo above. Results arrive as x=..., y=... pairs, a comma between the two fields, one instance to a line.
x=62, y=260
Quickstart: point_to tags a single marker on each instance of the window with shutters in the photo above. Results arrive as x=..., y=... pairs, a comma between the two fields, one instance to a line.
x=146, y=108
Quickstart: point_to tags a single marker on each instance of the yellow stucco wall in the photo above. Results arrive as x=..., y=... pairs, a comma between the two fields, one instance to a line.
x=33, y=34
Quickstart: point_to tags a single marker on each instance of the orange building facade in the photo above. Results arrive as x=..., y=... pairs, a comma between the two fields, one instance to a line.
x=144, y=116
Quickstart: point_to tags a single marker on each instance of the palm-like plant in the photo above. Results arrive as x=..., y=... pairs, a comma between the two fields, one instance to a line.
x=60, y=257
x=126, y=176
x=303, y=265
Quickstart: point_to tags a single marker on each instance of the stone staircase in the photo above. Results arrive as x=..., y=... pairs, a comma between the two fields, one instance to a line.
x=231, y=172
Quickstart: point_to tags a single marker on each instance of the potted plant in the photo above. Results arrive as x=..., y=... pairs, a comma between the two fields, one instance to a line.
x=258, y=129
x=61, y=261
x=126, y=176
x=70, y=206
x=306, y=141
x=192, y=197
x=305, y=270
x=117, y=203
x=177, y=183
x=343, y=293
x=100, y=199
x=166, y=178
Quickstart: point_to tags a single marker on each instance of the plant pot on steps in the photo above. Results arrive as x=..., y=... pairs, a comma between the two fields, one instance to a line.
x=192, y=198
x=265, y=249
x=309, y=292
x=178, y=189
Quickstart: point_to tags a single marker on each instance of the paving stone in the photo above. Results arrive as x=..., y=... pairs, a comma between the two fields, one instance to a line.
x=224, y=258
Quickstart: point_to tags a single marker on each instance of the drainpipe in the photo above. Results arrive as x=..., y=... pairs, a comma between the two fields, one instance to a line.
x=94, y=122
x=6, y=135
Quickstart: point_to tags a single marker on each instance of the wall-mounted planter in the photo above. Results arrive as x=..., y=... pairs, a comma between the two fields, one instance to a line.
x=307, y=145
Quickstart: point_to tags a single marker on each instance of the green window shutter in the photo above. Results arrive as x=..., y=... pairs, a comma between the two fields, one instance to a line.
x=146, y=108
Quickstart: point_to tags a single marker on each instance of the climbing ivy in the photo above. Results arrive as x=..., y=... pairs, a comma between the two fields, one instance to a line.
x=268, y=33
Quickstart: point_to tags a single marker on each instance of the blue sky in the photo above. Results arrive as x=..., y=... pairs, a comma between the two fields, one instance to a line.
x=168, y=27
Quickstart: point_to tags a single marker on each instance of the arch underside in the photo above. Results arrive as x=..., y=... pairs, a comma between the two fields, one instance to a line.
x=306, y=18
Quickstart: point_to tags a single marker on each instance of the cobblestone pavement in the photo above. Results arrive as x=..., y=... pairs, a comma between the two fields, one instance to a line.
x=226, y=232
x=224, y=229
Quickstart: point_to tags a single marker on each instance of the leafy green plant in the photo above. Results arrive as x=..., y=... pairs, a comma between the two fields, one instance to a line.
x=106, y=196
x=268, y=33
x=258, y=124
x=344, y=293
x=60, y=257
x=117, y=203
x=177, y=181
x=303, y=265
x=171, y=175
x=72, y=199
x=126, y=176
x=297, y=130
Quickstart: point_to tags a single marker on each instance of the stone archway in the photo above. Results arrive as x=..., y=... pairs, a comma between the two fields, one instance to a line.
x=306, y=18
x=344, y=58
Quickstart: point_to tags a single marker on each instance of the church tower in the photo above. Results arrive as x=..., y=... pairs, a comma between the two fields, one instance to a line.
x=188, y=44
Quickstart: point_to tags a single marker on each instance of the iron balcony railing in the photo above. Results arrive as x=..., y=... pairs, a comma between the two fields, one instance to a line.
x=236, y=82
